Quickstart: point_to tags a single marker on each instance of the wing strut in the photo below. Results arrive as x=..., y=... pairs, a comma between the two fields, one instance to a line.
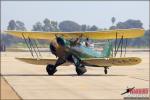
x=117, y=48
x=115, y=45
x=121, y=44
x=125, y=47
x=37, y=47
x=30, y=49
x=32, y=45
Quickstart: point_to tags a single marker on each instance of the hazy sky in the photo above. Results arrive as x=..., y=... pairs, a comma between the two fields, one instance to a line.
x=97, y=13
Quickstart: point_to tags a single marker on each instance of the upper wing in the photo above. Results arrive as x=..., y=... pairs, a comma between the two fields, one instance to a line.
x=108, y=34
x=101, y=62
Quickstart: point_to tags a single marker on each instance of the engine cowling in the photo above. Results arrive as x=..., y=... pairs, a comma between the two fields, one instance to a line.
x=61, y=41
x=53, y=48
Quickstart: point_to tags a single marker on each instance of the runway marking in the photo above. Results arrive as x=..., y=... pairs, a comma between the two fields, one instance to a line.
x=139, y=78
x=8, y=91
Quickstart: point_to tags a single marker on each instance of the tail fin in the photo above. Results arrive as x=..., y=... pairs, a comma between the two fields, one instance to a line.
x=107, y=49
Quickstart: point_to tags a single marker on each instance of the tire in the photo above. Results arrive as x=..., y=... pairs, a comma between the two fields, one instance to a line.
x=51, y=69
x=81, y=70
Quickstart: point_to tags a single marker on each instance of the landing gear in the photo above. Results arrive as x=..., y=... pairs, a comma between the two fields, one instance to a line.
x=51, y=69
x=80, y=68
x=105, y=70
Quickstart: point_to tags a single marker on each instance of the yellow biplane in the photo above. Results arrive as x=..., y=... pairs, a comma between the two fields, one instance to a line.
x=75, y=48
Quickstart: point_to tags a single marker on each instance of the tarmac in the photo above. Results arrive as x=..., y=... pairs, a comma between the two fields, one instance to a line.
x=20, y=80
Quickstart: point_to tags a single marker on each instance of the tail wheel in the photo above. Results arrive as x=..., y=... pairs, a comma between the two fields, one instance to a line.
x=105, y=70
x=51, y=69
x=81, y=70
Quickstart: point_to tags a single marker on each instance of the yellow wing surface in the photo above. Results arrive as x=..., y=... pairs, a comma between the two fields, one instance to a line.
x=41, y=61
x=126, y=61
x=107, y=34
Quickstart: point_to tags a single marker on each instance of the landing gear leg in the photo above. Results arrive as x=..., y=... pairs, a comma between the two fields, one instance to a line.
x=105, y=70
x=51, y=69
x=80, y=68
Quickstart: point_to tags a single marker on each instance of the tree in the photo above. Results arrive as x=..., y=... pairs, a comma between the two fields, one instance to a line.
x=112, y=27
x=47, y=25
x=69, y=26
x=54, y=26
x=20, y=26
x=11, y=25
x=129, y=24
x=16, y=25
x=46, y=21
x=84, y=27
x=93, y=28
x=113, y=19
x=37, y=27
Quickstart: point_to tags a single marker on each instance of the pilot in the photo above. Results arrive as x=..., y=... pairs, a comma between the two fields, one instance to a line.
x=88, y=43
x=77, y=41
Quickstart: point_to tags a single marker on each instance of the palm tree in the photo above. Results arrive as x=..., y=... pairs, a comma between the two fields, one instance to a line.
x=113, y=19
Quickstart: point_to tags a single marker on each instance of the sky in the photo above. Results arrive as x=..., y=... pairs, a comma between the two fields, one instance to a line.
x=97, y=13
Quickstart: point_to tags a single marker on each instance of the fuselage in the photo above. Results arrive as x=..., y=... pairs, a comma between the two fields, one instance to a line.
x=62, y=48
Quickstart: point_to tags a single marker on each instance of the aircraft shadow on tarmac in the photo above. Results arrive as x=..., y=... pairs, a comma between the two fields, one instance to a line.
x=62, y=75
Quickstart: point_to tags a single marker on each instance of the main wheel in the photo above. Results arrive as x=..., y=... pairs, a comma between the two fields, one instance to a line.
x=51, y=69
x=80, y=70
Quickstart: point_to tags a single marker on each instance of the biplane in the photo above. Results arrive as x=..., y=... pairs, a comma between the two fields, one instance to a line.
x=68, y=47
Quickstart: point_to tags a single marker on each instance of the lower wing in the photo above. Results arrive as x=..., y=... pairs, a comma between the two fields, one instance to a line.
x=41, y=61
x=95, y=62
x=101, y=62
